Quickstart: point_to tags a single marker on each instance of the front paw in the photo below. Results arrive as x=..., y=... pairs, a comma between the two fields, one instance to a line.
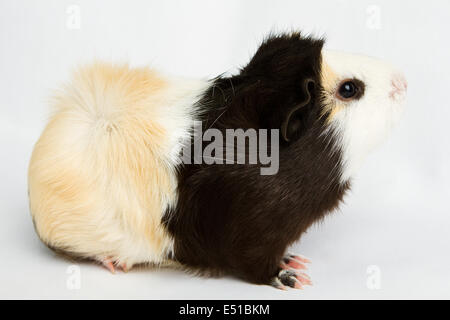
x=290, y=274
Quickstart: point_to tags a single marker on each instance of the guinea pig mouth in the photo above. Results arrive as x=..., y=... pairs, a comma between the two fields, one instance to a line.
x=399, y=87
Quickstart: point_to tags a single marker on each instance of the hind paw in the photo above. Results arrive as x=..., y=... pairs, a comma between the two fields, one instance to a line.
x=290, y=274
x=111, y=266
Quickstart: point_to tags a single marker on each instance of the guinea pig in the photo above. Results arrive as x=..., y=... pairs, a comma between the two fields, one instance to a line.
x=114, y=177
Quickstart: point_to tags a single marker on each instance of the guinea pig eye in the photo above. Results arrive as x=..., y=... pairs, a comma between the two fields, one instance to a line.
x=350, y=90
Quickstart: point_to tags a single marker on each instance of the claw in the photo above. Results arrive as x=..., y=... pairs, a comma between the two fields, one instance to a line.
x=109, y=265
x=298, y=285
x=304, y=279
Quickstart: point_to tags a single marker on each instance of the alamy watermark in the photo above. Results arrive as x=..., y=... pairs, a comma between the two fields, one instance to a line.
x=373, y=281
x=73, y=281
x=373, y=21
x=239, y=146
x=73, y=20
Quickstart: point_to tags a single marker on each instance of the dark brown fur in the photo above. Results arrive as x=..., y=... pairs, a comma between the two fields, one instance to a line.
x=230, y=217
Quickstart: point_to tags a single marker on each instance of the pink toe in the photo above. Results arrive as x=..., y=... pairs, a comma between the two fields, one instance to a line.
x=296, y=265
x=298, y=285
x=301, y=259
x=304, y=275
x=304, y=281
x=109, y=265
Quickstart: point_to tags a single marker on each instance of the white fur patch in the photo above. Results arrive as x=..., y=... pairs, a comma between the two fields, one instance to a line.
x=362, y=124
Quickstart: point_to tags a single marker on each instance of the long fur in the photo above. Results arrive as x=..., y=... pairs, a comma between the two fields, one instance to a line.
x=106, y=179
x=104, y=169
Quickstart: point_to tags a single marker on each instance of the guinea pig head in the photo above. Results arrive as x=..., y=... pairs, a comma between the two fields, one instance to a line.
x=363, y=98
x=306, y=92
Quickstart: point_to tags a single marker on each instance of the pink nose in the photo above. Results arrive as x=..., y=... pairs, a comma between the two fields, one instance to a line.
x=399, y=86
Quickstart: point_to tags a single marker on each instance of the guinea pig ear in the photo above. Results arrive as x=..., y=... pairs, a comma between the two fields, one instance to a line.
x=291, y=124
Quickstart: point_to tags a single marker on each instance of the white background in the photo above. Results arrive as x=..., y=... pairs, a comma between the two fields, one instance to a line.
x=397, y=217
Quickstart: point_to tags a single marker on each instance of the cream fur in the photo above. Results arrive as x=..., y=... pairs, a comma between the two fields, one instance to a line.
x=103, y=171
